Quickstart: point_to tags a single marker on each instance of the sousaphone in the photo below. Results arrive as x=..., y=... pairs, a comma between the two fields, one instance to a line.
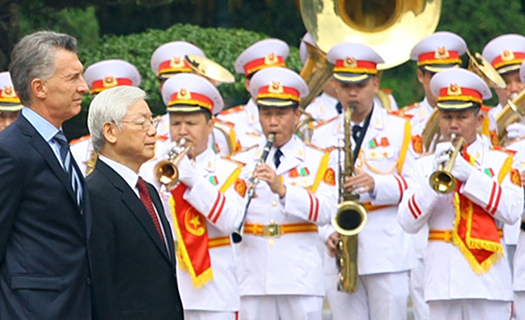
x=390, y=27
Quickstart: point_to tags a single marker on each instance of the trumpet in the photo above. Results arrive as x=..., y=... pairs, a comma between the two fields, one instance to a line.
x=166, y=171
x=253, y=181
x=442, y=181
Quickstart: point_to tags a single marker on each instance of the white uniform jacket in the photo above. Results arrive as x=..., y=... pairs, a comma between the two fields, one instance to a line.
x=223, y=213
x=247, y=128
x=322, y=108
x=448, y=274
x=519, y=263
x=383, y=245
x=290, y=264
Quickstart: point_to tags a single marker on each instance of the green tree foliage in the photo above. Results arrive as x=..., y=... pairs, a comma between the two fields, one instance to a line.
x=219, y=44
x=475, y=21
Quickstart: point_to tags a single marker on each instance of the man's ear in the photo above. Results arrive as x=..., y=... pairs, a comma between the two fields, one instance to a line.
x=109, y=130
x=38, y=88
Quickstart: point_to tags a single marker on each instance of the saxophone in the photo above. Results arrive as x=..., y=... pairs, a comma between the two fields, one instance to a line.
x=350, y=218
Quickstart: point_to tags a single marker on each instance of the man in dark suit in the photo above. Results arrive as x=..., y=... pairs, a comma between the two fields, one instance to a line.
x=131, y=242
x=45, y=216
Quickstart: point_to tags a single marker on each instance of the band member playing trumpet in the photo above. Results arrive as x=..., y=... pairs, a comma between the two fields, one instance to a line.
x=467, y=275
x=279, y=264
x=380, y=142
x=206, y=205
x=437, y=52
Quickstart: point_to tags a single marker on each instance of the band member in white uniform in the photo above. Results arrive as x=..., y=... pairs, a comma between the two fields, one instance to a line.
x=467, y=274
x=381, y=146
x=206, y=205
x=279, y=265
x=260, y=55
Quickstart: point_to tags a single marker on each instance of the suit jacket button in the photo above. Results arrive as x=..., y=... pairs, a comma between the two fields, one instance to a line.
x=88, y=281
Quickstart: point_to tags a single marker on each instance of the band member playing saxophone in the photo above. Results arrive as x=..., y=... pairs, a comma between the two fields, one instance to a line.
x=464, y=205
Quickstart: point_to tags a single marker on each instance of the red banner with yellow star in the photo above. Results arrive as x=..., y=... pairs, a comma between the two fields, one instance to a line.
x=192, y=238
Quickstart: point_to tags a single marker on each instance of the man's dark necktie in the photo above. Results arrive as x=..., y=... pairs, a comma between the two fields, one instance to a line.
x=67, y=161
x=146, y=200
x=277, y=158
x=356, y=132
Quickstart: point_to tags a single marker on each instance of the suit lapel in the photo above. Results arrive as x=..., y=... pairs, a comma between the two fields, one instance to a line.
x=134, y=204
x=42, y=147
x=164, y=221
x=376, y=126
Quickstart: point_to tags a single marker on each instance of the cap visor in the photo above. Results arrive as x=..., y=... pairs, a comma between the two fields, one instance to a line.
x=455, y=105
x=276, y=103
x=435, y=68
x=351, y=77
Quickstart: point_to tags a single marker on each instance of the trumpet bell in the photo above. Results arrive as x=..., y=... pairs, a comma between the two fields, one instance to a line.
x=392, y=28
x=513, y=112
x=442, y=182
x=209, y=69
x=484, y=69
x=166, y=173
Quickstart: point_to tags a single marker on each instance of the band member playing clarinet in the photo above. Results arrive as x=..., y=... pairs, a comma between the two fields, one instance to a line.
x=465, y=204
x=279, y=265
x=205, y=205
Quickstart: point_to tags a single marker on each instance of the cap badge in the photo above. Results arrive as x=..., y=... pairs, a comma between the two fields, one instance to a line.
x=442, y=53
x=109, y=81
x=454, y=90
x=8, y=92
x=275, y=87
x=350, y=62
x=270, y=58
x=507, y=55
x=176, y=62
x=184, y=94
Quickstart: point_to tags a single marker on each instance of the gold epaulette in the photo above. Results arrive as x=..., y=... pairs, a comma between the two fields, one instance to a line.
x=86, y=137
x=228, y=123
x=400, y=113
x=319, y=148
x=232, y=110
x=410, y=106
x=502, y=149
x=387, y=90
x=239, y=163
x=508, y=143
x=485, y=109
x=244, y=149
x=325, y=122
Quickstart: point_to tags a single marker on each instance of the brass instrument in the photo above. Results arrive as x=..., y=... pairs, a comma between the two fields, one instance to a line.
x=91, y=162
x=391, y=28
x=212, y=71
x=485, y=70
x=166, y=171
x=513, y=112
x=350, y=218
x=441, y=180
x=253, y=181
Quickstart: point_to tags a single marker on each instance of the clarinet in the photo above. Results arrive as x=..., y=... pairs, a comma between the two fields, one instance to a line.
x=237, y=234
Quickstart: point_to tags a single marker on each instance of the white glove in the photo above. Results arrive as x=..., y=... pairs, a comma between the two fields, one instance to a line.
x=461, y=169
x=441, y=155
x=515, y=130
x=187, y=172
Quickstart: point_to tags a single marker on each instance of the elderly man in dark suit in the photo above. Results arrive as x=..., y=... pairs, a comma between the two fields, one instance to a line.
x=131, y=242
x=45, y=216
